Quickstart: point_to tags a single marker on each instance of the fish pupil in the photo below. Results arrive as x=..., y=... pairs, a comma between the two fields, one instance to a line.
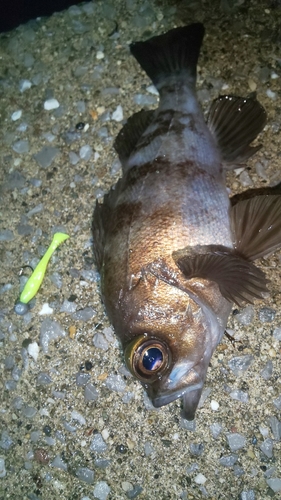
x=152, y=359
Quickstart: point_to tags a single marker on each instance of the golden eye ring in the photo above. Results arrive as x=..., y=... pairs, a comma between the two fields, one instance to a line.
x=147, y=358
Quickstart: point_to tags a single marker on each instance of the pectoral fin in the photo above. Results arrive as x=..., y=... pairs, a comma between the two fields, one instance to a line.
x=238, y=279
x=256, y=225
x=235, y=122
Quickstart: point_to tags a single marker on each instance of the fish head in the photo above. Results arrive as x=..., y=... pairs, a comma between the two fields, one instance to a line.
x=173, y=340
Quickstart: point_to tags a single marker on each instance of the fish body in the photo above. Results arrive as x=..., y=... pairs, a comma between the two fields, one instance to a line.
x=172, y=253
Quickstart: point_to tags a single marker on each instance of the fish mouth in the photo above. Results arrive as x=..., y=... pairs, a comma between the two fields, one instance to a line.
x=190, y=390
x=165, y=399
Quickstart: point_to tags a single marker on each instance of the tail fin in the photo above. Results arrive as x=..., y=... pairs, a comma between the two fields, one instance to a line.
x=175, y=52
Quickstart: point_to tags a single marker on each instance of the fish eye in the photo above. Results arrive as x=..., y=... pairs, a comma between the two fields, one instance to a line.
x=147, y=359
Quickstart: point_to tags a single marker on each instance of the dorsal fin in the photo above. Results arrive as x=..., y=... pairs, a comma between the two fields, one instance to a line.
x=130, y=134
x=235, y=122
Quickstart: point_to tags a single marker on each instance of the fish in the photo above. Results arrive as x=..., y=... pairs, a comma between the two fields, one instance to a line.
x=174, y=254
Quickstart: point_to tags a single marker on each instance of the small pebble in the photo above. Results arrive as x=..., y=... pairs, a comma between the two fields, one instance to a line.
x=85, y=474
x=35, y=436
x=85, y=152
x=80, y=126
x=272, y=95
x=200, y=479
x=45, y=310
x=264, y=431
x=266, y=372
x=246, y=315
x=274, y=483
x=269, y=472
x=228, y=460
x=43, y=378
x=24, y=85
x=50, y=104
x=215, y=429
x=41, y=456
x=21, y=146
x=252, y=85
x=98, y=444
x=68, y=307
x=6, y=441
x=59, y=394
x=84, y=314
x=248, y=495
x=69, y=428
x=29, y=411
x=277, y=402
x=72, y=331
x=100, y=341
x=82, y=379
x=148, y=449
x=91, y=393
x=115, y=383
x=189, y=425
x=266, y=314
x=9, y=362
x=101, y=490
x=235, y=441
x=239, y=395
x=240, y=364
x=275, y=425
x=6, y=235
x=88, y=365
x=102, y=463
x=75, y=415
x=135, y=492
x=145, y=100
x=277, y=333
x=50, y=330
x=59, y=463
x=238, y=471
x=16, y=115
x=214, y=405
x=117, y=115
x=46, y=156
x=2, y=467
x=267, y=447
x=196, y=449
x=99, y=55
x=105, y=434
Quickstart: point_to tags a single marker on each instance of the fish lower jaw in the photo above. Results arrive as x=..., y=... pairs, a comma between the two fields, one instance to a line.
x=168, y=397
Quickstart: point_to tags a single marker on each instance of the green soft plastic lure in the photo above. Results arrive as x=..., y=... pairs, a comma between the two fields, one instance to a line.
x=34, y=282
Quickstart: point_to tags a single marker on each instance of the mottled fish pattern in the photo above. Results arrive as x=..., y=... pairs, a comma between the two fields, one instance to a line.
x=172, y=251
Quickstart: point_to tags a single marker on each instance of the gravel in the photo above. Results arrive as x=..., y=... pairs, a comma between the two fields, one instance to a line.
x=74, y=423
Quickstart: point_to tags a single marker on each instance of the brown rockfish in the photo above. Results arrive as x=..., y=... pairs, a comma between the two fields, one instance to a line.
x=172, y=253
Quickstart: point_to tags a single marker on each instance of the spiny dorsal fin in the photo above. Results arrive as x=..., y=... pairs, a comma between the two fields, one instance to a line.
x=130, y=134
x=169, y=54
x=256, y=224
x=238, y=279
x=235, y=122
